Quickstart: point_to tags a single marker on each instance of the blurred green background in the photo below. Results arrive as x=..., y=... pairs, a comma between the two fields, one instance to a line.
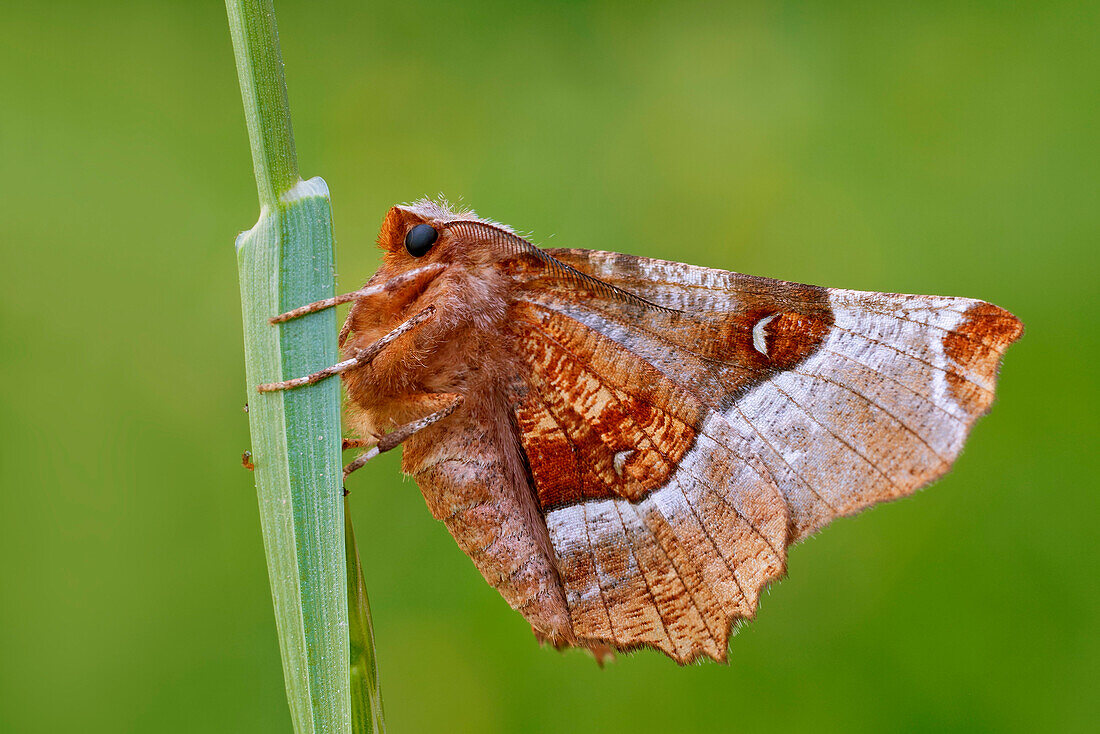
x=946, y=148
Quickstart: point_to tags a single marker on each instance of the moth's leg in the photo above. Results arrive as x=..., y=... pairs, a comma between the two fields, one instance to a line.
x=318, y=306
x=362, y=357
x=358, y=443
x=390, y=285
x=397, y=436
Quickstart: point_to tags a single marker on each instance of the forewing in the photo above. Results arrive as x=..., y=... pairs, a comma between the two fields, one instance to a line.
x=850, y=398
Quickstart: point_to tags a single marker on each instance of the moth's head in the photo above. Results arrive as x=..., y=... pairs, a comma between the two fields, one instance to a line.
x=426, y=231
x=444, y=256
x=432, y=246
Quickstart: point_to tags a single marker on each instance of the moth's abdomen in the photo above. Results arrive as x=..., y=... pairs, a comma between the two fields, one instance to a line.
x=496, y=524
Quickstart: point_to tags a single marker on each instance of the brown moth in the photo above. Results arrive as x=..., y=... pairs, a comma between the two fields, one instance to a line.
x=626, y=447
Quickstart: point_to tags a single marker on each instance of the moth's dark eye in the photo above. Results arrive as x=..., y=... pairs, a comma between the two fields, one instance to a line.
x=420, y=239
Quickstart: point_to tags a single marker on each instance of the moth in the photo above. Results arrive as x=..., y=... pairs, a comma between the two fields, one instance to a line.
x=626, y=447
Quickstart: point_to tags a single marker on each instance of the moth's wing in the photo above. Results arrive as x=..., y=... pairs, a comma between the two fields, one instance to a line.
x=847, y=398
x=851, y=398
x=664, y=522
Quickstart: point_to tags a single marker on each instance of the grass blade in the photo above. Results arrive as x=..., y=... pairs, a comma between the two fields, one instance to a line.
x=284, y=261
x=366, y=697
x=296, y=450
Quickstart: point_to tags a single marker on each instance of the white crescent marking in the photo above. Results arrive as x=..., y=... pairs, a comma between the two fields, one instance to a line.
x=758, y=342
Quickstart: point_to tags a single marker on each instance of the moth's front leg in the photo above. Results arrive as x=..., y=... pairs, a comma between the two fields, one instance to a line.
x=360, y=358
x=388, y=287
x=392, y=290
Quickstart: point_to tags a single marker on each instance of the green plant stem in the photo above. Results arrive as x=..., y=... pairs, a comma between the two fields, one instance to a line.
x=285, y=261
x=263, y=90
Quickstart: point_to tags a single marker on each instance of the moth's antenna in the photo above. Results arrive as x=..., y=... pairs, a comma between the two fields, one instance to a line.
x=516, y=245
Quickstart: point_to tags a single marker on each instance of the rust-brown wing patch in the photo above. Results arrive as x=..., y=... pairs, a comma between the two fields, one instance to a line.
x=597, y=422
x=975, y=347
